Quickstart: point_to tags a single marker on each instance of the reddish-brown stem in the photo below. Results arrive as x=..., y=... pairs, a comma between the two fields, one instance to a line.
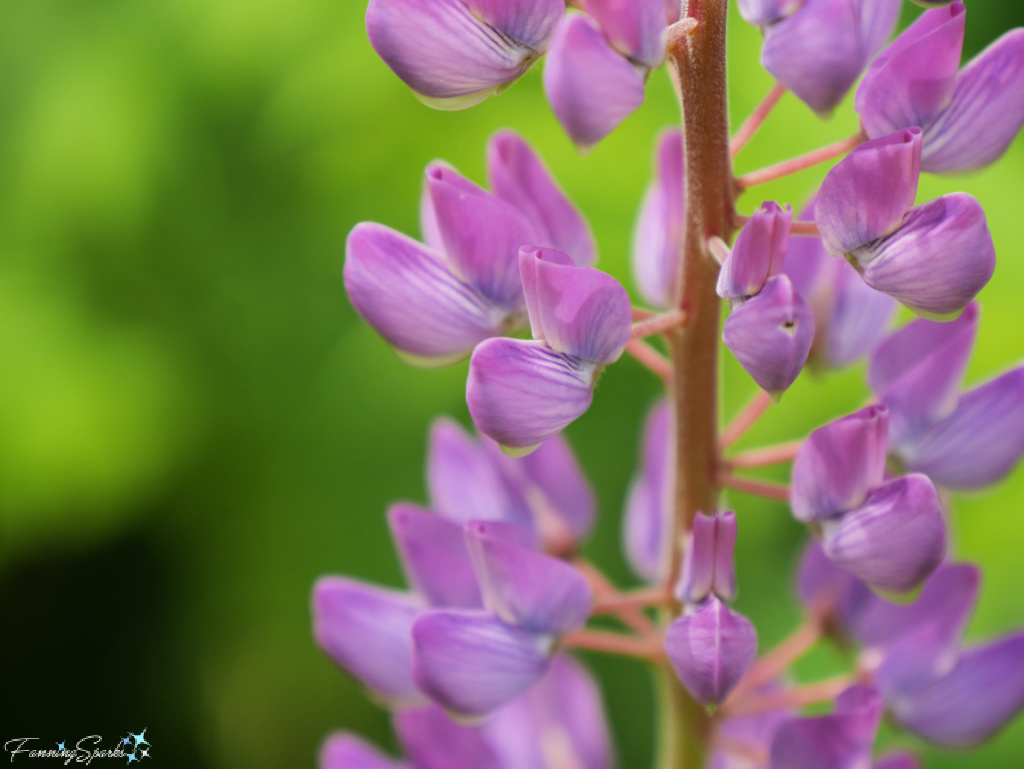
x=651, y=358
x=788, y=167
x=645, y=647
x=756, y=119
x=763, y=457
x=636, y=599
x=764, y=489
x=774, y=663
x=808, y=229
x=659, y=324
x=796, y=697
x=639, y=313
x=746, y=418
x=604, y=591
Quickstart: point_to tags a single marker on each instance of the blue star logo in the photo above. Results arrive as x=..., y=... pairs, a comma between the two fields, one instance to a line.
x=60, y=746
x=126, y=739
x=144, y=753
x=140, y=739
x=131, y=757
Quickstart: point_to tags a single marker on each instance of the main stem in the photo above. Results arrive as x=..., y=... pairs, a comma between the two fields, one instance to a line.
x=699, y=68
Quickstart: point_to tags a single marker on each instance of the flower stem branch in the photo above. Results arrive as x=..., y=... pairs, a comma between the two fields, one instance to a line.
x=792, y=166
x=756, y=119
x=636, y=599
x=774, y=663
x=651, y=358
x=793, y=698
x=659, y=324
x=644, y=647
x=766, y=489
x=763, y=457
x=605, y=592
x=746, y=419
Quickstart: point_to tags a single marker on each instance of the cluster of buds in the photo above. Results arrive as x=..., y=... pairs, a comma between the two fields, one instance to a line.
x=476, y=659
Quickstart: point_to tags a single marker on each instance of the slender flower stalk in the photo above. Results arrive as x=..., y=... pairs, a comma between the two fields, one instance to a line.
x=766, y=489
x=746, y=419
x=659, y=324
x=615, y=643
x=775, y=662
x=651, y=358
x=802, y=163
x=764, y=457
x=795, y=697
x=756, y=120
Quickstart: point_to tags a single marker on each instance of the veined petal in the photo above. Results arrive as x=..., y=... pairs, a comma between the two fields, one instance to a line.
x=980, y=442
x=471, y=662
x=454, y=54
x=859, y=317
x=710, y=650
x=527, y=589
x=917, y=372
x=635, y=28
x=974, y=701
x=761, y=13
x=591, y=87
x=647, y=507
x=937, y=261
x=895, y=540
x=821, y=584
x=346, y=751
x=406, y=292
x=983, y=116
x=434, y=556
x=432, y=740
x=578, y=311
x=708, y=562
x=522, y=393
x=913, y=79
x=366, y=630
x=866, y=195
x=518, y=176
x=467, y=483
x=839, y=741
x=657, y=237
x=758, y=253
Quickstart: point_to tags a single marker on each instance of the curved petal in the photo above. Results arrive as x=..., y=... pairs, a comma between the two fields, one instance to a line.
x=859, y=317
x=761, y=13
x=647, y=506
x=590, y=86
x=758, y=253
x=471, y=662
x=821, y=584
x=432, y=740
x=980, y=442
x=635, y=28
x=657, y=236
x=708, y=562
x=346, y=751
x=518, y=176
x=522, y=393
x=366, y=630
x=407, y=294
x=895, y=540
x=839, y=741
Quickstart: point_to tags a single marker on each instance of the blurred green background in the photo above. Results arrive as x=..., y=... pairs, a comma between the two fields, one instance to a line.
x=193, y=423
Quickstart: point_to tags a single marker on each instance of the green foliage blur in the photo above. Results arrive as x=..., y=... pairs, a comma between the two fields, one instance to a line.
x=194, y=424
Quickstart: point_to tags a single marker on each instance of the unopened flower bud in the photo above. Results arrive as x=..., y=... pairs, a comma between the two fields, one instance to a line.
x=758, y=253
x=708, y=563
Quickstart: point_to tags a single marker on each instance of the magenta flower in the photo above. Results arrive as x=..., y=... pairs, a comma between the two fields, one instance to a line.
x=841, y=740
x=758, y=253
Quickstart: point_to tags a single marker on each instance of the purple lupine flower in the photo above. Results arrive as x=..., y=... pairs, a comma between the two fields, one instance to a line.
x=658, y=234
x=820, y=48
x=841, y=740
x=758, y=253
x=771, y=334
x=934, y=257
x=346, y=751
x=432, y=740
x=710, y=646
x=754, y=731
x=634, y=28
x=454, y=54
x=521, y=393
x=647, y=506
x=970, y=116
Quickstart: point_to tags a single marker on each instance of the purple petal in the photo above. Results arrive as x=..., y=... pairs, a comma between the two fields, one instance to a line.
x=529, y=590
x=821, y=584
x=454, y=54
x=937, y=261
x=984, y=114
x=710, y=650
x=635, y=28
x=466, y=482
x=839, y=464
x=758, y=253
x=657, y=238
x=366, y=630
x=482, y=236
x=974, y=701
x=761, y=13
x=754, y=731
x=899, y=761
x=471, y=662
x=591, y=87
x=406, y=292
x=708, y=562
x=432, y=740
x=980, y=442
x=346, y=751
x=839, y=741
x=859, y=319
x=578, y=311
x=917, y=372
x=434, y=556
x=647, y=507
x=913, y=79
x=866, y=196
x=895, y=540
x=522, y=393
x=518, y=176
x=771, y=334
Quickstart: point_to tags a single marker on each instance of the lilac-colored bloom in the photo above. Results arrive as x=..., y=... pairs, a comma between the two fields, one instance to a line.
x=968, y=117
x=758, y=253
x=819, y=50
x=432, y=740
x=771, y=335
x=346, y=751
x=454, y=54
x=365, y=629
x=591, y=87
x=820, y=584
x=754, y=731
x=711, y=649
x=841, y=740
x=761, y=13
x=839, y=464
x=634, y=28
x=658, y=235
x=647, y=507
x=522, y=393
x=708, y=562
x=895, y=540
